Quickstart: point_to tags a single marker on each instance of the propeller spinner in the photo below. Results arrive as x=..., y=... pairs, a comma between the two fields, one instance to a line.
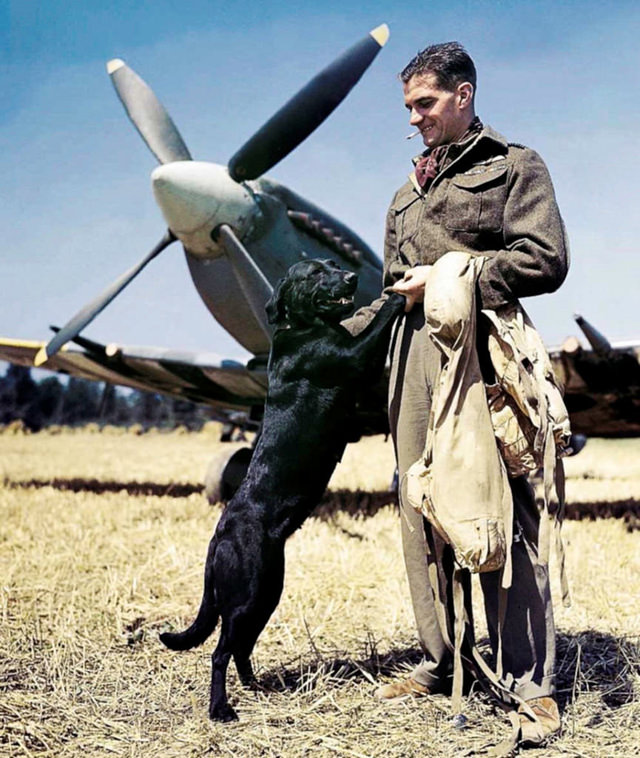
x=196, y=198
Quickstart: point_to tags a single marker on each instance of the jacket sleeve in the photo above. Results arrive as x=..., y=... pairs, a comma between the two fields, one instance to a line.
x=535, y=259
x=393, y=270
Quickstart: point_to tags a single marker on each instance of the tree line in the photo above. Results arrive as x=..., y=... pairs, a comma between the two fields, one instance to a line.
x=38, y=404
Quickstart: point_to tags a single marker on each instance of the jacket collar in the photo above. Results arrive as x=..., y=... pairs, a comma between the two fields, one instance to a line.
x=487, y=134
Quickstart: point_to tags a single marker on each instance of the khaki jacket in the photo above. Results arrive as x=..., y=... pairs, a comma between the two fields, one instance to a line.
x=497, y=200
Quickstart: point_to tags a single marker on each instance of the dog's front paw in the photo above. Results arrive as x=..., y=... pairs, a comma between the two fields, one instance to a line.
x=222, y=712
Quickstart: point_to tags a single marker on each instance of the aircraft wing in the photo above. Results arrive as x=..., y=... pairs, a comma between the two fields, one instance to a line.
x=601, y=384
x=201, y=377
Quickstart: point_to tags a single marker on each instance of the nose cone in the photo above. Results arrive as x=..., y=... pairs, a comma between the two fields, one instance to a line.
x=193, y=196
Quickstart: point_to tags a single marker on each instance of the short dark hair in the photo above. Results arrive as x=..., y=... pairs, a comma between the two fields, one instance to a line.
x=449, y=62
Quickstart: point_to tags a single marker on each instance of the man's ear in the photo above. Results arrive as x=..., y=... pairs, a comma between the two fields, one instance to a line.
x=465, y=95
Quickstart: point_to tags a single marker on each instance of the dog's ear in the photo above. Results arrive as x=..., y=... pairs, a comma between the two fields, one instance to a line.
x=276, y=307
x=301, y=303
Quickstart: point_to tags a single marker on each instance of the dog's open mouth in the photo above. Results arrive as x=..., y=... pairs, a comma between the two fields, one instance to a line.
x=341, y=301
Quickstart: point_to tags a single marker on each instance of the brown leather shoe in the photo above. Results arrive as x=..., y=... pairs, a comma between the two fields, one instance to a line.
x=546, y=709
x=402, y=688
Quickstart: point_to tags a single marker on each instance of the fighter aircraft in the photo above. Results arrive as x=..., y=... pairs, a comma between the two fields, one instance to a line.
x=241, y=231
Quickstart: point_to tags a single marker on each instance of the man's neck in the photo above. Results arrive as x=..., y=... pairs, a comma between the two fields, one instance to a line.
x=464, y=128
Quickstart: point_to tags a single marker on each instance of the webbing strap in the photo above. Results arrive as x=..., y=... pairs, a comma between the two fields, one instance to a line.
x=491, y=680
x=502, y=612
x=564, y=579
x=507, y=571
x=503, y=749
x=549, y=465
x=459, y=630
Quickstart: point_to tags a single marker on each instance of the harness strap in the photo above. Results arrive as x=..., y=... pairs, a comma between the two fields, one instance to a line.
x=472, y=657
x=560, y=552
x=459, y=632
x=549, y=465
x=503, y=749
x=466, y=653
x=502, y=612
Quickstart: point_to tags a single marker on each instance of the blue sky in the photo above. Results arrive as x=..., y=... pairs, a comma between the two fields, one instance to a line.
x=77, y=207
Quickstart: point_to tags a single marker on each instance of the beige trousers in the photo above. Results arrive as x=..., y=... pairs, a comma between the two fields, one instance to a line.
x=528, y=638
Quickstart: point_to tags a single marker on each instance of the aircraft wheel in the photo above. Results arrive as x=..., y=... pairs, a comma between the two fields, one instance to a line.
x=225, y=472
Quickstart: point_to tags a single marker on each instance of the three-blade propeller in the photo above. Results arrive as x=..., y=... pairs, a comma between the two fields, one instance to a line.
x=73, y=327
x=306, y=110
x=293, y=123
x=147, y=114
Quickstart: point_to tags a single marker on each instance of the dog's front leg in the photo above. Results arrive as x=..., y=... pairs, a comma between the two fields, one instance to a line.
x=368, y=349
x=219, y=708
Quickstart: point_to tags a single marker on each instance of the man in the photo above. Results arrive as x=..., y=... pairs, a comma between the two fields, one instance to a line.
x=472, y=191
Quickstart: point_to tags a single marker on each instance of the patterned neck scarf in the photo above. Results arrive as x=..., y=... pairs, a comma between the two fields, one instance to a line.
x=437, y=158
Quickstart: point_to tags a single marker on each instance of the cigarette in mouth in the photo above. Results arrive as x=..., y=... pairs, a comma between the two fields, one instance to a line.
x=412, y=135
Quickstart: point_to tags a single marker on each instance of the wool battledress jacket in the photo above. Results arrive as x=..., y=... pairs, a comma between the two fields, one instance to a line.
x=495, y=199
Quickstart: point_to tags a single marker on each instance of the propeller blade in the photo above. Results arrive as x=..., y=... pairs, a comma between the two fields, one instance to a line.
x=73, y=327
x=252, y=281
x=147, y=114
x=306, y=110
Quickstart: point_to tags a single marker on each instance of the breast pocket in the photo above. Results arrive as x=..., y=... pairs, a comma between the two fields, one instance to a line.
x=408, y=217
x=475, y=202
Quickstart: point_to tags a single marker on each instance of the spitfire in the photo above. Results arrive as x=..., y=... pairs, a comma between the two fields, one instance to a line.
x=218, y=213
x=241, y=231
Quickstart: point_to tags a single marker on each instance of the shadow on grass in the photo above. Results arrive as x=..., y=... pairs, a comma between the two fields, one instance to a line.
x=339, y=669
x=99, y=486
x=593, y=661
x=353, y=502
x=587, y=662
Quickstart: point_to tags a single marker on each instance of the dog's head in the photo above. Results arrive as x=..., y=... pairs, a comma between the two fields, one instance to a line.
x=312, y=291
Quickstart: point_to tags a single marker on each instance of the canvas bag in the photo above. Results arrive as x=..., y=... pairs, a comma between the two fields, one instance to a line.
x=526, y=400
x=460, y=482
x=530, y=419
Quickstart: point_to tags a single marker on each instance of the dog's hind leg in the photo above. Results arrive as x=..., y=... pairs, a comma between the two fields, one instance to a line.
x=237, y=637
x=246, y=633
x=245, y=669
x=249, y=626
x=219, y=708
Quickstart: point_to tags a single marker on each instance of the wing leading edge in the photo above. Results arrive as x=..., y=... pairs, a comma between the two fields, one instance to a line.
x=200, y=377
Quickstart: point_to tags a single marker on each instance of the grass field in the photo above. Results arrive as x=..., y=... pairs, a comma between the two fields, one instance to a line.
x=102, y=543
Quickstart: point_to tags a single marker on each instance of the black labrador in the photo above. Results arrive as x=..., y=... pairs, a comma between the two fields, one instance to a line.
x=316, y=368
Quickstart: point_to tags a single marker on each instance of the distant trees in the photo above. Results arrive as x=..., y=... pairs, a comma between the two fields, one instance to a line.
x=17, y=392
x=80, y=401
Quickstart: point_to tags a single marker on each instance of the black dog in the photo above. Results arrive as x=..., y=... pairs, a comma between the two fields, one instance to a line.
x=315, y=371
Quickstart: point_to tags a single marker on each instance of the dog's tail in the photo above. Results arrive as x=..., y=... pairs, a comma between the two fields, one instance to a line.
x=203, y=625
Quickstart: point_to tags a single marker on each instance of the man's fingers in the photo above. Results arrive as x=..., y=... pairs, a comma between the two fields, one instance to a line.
x=409, y=292
x=410, y=301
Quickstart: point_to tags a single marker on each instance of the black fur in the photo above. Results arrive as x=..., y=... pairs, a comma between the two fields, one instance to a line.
x=315, y=371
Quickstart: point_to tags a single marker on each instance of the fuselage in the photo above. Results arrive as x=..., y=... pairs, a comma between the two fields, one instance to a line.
x=276, y=226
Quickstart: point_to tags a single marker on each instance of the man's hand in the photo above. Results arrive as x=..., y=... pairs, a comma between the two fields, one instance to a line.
x=412, y=286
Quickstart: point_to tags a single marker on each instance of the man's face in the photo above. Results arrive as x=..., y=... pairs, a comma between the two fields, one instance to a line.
x=441, y=116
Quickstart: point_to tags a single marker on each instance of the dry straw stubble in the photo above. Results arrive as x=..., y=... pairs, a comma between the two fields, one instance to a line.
x=88, y=579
